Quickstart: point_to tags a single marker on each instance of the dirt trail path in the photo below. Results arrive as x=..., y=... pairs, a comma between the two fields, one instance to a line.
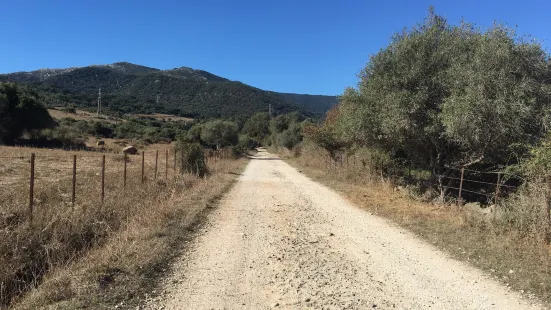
x=280, y=240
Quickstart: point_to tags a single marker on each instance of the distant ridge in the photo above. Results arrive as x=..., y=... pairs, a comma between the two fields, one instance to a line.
x=131, y=88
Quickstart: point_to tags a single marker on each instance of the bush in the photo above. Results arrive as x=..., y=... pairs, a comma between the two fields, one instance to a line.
x=192, y=158
x=246, y=143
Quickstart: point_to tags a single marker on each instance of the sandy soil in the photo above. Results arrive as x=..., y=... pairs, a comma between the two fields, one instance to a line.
x=280, y=240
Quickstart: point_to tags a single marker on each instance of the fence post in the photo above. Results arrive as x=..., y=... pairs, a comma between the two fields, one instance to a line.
x=143, y=165
x=175, y=162
x=156, y=162
x=166, y=165
x=497, y=187
x=73, y=196
x=548, y=209
x=102, y=179
x=461, y=184
x=31, y=191
x=124, y=173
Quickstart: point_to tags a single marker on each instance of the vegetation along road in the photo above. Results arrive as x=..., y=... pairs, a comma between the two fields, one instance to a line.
x=280, y=240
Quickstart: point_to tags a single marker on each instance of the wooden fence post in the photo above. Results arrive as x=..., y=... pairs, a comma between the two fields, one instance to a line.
x=124, y=173
x=102, y=179
x=548, y=209
x=31, y=191
x=156, y=162
x=461, y=185
x=143, y=165
x=497, y=187
x=166, y=165
x=175, y=162
x=73, y=196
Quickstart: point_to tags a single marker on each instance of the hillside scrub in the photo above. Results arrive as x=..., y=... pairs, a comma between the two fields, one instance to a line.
x=132, y=89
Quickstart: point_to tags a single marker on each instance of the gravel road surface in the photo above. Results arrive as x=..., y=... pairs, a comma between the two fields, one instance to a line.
x=281, y=240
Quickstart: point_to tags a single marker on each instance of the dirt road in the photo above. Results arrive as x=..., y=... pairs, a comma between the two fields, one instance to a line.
x=280, y=240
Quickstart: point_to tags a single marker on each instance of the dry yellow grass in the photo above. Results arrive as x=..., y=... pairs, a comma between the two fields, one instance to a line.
x=507, y=255
x=81, y=115
x=136, y=226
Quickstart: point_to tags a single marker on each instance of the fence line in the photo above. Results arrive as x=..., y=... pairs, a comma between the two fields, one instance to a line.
x=89, y=164
x=34, y=159
x=377, y=167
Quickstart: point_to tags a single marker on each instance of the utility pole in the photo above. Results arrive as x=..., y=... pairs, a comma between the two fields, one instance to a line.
x=158, y=99
x=99, y=101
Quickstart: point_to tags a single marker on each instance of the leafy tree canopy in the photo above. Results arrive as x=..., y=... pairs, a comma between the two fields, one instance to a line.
x=450, y=95
x=20, y=111
x=219, y=133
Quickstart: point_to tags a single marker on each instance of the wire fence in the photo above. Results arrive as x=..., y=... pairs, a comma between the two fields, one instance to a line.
x=69, y=176
x=455, y=182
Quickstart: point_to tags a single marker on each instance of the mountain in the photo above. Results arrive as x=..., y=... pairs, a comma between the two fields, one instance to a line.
x=130, y=88
x=317, y=103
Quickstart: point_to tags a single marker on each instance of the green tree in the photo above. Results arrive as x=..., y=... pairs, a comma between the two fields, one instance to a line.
x=449, y=96
x=194, y=133
x=219, y=133
x=257, y=126
x=20, y=111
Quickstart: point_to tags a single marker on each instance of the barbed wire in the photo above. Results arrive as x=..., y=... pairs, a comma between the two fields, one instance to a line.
x=469, y=191
x=479, y=182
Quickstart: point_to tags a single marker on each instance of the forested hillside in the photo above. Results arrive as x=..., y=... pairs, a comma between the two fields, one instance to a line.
x=129, y=88
x=317, y=103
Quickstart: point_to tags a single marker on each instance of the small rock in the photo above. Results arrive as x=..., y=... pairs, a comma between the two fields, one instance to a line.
x=331, y=234
x=511, y=271
x=275, y=305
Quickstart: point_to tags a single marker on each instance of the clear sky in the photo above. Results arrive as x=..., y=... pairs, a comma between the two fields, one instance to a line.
x=301, y=46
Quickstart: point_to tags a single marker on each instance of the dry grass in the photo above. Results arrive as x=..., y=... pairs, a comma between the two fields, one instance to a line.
x=483, y=241
x=164, y=117
x=93, y=254
x=81, y=115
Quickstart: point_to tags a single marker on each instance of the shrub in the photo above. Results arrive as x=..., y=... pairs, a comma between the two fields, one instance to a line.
x=192, y=158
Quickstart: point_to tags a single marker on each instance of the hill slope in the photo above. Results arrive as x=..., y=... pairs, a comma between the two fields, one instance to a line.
x=130, y=88
x=317, y=103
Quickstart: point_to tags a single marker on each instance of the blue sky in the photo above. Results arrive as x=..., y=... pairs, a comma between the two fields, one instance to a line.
x=299, y=46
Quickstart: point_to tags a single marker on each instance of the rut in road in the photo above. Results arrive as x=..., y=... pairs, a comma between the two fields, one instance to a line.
x=280, y=240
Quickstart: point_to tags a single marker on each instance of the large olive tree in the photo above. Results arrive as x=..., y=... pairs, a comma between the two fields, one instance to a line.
x=449, y=95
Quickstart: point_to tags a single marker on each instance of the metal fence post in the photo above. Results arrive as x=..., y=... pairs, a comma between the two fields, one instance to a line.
x=166, y=165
